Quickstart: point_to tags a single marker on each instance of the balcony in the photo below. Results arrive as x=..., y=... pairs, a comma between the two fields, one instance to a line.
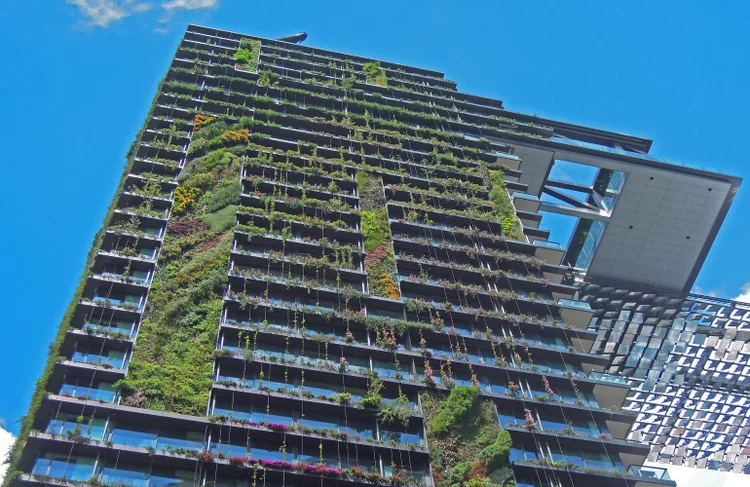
x=550, y=252
x=302, y=225
x=526, y=202
x=576, y=313
x=651, y=473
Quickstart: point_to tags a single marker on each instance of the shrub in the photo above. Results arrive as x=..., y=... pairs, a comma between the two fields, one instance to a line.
x=371, y=230
x=222, y=219
x=372, y=398
x=375, y=74
x=223, y=196
x=243, y=55
x=456, y=474
x=395, y=412
x=460, y=402
x=478, y=469
x=499, y=477
x=496, y=455
x=499, y=196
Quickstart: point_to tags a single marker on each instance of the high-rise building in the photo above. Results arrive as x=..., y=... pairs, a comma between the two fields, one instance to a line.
x=687, y=357
x=314, y=272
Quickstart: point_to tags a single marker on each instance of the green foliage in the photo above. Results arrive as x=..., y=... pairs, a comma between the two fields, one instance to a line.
x=395, y=412
x=172, y=364
x=379, y=261
x=499, y=196
x=242, y=55
x=247, y=55
x=502, y=477
x=375, y=74
x=226, y=193
x=267, y=78
x=461, y=401
x=201, y=166
x=372, y=398
x=496, y=455
x=372, y=230
x=455, y=449
x=456, y=474
x=222, y=219
x=209, y=131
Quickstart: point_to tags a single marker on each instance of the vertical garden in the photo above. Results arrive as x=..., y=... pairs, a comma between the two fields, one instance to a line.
x=338, y=286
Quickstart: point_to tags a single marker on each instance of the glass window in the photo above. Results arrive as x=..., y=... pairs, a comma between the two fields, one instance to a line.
x=596, y=459
x=275, y=415
x=319, y=420
x=86, y=388
x=363, y=428
x=230, y=449
x=385, y=369
x=237, y=410
x=129, y=437
x=133, y=476
x=401, y=435
x=64, y=466
x=173, y=439
x=267, y=451
x=68, y=424
x=171, y=477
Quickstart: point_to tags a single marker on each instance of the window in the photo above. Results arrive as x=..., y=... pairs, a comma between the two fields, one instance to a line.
x=64, y=466
x=64, y=424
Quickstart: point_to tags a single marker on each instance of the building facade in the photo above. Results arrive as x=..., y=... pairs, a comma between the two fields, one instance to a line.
x=687, y=357
x=314, y=273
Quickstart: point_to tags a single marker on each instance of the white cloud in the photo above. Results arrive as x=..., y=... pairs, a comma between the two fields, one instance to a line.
x=745, y=294
x=6, y=441
x=103, y=12
x=190, y=4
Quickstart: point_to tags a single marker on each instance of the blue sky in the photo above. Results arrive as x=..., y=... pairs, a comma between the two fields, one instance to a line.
x=79, y=76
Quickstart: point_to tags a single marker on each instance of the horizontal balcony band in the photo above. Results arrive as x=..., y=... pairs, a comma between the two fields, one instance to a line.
x=300, y=241
x=630, y=447
x=115, y=307
x=110, y=254
x=593, y=477
x=295, y=261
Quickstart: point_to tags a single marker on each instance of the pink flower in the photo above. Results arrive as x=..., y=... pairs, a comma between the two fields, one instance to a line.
x=529, y=422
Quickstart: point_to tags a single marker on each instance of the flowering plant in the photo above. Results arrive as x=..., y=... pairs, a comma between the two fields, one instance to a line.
x=343, y=364
x=547, y=387
x=429, y=379
x=276, y=426
x=237, y=461
x=529, y=422
x=206, y=457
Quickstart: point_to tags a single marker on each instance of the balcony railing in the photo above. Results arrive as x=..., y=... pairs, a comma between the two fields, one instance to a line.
x=615, y=379
x=649, y=472
x=571, y=303
x=550, y=245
